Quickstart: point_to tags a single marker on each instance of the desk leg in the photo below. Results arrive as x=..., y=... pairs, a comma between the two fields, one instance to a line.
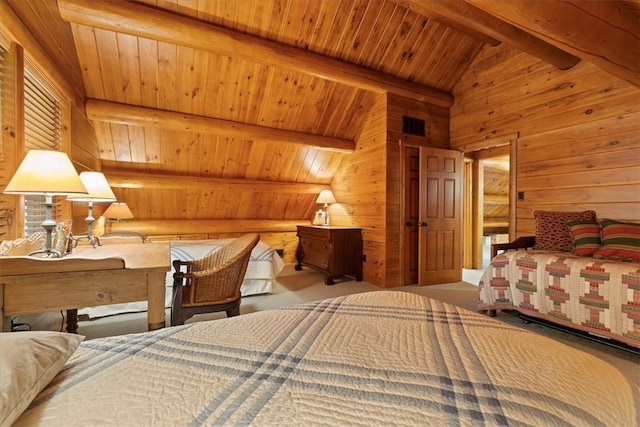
x=156, y=296
x=72, y=321
x=5, y=321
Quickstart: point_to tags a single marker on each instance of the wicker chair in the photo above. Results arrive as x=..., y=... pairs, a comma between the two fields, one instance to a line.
x=212, y=283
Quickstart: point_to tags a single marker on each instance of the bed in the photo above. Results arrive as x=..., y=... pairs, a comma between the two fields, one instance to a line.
x=264, y=265
x=374, y=358
x=594, y=296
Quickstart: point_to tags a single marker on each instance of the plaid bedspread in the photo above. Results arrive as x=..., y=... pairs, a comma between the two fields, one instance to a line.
x=596, y=296
x=380, y=358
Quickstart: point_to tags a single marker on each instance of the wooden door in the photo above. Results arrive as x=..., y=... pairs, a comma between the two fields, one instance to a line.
x=440, y=239
x=411, y=214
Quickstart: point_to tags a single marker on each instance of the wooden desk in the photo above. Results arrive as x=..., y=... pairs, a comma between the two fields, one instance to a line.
x=88, y=277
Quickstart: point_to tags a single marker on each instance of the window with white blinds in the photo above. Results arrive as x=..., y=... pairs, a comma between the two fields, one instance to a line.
x=42, y=131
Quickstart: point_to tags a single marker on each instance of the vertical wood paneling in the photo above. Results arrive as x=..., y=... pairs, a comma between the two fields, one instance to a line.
x=360, y=186
x=84, y=145
x=88, y=57
x=148, y=49
x=436, y=135
x=368, y=185
x=130, y=64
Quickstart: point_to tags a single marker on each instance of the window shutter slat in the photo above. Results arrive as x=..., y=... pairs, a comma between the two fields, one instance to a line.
x=43, y=131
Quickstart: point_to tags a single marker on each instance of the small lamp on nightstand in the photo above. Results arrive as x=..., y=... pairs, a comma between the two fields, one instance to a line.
x=99, y=191
x=118, y=211
x=326, y=197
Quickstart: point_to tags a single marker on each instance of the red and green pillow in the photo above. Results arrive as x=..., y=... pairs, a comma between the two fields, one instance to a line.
x=586, y=237
x=620, y=241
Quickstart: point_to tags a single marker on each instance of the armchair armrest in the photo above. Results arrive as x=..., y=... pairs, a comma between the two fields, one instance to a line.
x=523, y=242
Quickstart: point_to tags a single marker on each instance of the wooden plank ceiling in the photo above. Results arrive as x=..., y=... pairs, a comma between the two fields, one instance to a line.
x=205, y=75
x=278, y=90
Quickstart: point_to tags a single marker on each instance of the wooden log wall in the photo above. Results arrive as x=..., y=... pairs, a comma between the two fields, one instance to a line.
x=578, y=132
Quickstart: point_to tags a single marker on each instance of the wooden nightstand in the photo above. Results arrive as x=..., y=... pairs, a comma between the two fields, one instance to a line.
x=336, y=251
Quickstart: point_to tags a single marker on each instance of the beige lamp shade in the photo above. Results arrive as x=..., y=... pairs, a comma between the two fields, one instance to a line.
x=118, y=211
x=326, y=197
x=46, y=172
x=97, y=187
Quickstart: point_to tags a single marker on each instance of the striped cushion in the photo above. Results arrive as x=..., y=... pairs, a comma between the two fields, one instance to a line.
x=620, y=241
x=586, y=237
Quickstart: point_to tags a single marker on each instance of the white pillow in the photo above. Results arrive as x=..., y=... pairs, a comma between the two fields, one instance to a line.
x=28, y=362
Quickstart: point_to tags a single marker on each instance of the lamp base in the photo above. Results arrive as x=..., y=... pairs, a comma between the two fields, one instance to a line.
x=49, y=225
x=48, y=252
x=93, y=240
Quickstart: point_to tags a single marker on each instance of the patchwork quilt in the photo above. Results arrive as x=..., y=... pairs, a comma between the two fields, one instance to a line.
x=385, y=358
x=593, y=295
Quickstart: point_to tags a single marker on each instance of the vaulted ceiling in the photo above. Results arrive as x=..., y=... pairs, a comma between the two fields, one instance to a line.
x=277, y=90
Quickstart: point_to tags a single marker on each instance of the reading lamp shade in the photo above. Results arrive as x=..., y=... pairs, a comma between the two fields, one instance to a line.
x=46, y=172
x=99, y=191
x=97, y=187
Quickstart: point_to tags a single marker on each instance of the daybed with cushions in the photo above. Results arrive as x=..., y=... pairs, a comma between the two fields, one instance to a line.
x=577, y=272
x=385, y=358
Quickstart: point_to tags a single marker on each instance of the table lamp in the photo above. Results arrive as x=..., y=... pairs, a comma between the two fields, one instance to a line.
x=118, y=212
x=48, y=173
x=99, y=191
x=325, y=197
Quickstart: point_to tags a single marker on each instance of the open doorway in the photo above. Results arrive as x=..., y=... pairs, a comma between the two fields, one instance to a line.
x=487, y=205
x=486, y=215
x=495, y=204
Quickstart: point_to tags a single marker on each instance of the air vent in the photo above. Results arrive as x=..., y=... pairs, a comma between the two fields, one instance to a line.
x=412, y=126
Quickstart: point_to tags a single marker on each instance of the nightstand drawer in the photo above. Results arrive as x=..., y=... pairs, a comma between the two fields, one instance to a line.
x=336, y=251
x=315, y=251
x=315, y=232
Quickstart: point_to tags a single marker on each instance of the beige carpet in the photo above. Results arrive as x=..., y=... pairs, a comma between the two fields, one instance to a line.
x=296, y=287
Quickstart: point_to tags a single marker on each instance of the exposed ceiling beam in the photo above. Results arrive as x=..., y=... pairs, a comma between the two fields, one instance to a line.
x=468, y=18
x=119, y=179
x=601, y=32
x=143, y=21
x=447, y=17
x=113, y=112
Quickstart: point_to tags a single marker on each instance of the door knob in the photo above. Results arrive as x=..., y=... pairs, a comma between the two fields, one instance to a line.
x=423, y=224
x=408, y=223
